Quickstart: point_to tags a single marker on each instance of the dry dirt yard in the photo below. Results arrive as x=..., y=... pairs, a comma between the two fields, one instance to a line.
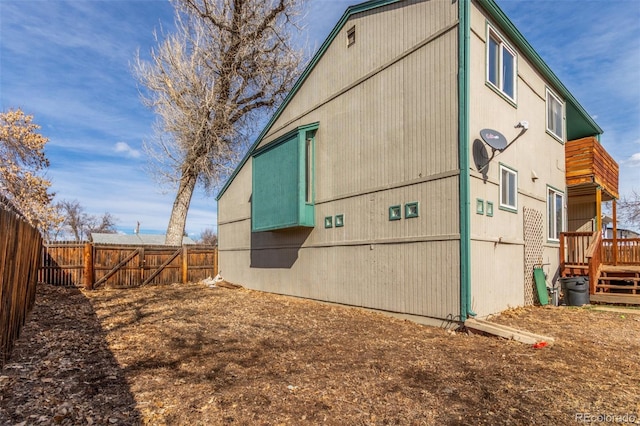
x=193, y=355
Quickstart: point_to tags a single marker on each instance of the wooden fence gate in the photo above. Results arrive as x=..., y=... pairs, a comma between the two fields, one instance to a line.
x=121, y=266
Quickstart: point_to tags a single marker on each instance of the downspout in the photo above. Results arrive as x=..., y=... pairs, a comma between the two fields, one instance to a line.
x=464, y=25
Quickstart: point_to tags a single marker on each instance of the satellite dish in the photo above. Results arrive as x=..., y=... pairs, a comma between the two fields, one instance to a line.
x=494, y=139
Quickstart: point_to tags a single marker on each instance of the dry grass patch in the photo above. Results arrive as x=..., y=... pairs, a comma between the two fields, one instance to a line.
x=189, y=355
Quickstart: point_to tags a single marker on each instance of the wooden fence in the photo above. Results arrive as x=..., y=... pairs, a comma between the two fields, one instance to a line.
x=121, y=266
x=19, y=251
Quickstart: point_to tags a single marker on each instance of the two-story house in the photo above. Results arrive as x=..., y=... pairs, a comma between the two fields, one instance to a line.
x=374, y=184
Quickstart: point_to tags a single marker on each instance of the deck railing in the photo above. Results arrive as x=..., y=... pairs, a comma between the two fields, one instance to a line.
x=621, y=251
x=573, y=248
x=587, y=252
x=594, y=255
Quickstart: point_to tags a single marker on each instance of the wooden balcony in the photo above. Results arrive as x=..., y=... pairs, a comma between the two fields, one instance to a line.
x=590, y=167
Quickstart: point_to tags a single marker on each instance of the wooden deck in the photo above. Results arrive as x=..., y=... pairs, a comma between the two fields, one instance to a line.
x=613, y=266
x=613, y=298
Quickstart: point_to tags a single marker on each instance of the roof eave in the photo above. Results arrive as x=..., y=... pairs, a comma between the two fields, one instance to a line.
x=588, y=126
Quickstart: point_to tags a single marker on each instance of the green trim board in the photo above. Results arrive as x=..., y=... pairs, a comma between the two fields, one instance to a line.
x=464, y=55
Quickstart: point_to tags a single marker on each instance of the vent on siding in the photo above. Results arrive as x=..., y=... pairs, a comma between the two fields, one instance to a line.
x=351, y=36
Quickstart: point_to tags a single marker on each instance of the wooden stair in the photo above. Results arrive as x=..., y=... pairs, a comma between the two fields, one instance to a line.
x=618, y=284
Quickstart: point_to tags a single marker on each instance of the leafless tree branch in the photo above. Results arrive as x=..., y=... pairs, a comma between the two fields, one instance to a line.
x=227, y=61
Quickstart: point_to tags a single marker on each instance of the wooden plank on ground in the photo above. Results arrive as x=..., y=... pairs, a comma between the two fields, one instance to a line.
x=629, y=299
x=617, y=309
x=507, y=332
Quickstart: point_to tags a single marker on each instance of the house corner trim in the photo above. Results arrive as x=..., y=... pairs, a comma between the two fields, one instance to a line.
x=464, y=33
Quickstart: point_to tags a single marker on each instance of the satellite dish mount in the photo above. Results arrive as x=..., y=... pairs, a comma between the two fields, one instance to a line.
x=496, y=140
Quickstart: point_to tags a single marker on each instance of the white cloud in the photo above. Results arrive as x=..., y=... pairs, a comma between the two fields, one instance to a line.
x=634, y=160
x=123, y=147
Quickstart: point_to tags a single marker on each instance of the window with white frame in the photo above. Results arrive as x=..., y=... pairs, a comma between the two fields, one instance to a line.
x=508, y=188
x=501, y=64
x=555, y=221
x=554, y=115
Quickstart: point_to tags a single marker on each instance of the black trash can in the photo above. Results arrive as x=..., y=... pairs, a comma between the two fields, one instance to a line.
x=576, y=290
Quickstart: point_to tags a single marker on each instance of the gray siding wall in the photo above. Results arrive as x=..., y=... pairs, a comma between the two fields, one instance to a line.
x=500, y=271
x=387, y=108
x=582, y=214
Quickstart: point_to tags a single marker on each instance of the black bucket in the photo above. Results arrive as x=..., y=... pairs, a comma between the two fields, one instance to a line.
x=576, y=290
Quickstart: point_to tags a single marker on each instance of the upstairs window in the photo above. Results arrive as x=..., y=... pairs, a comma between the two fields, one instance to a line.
x=501, y=65
x=555, y=113
x=508, y=188
x=555, y=218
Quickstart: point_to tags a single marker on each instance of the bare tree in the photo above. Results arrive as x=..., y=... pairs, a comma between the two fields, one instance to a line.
x=22, y=167
x=74, y=217
x=227, y=62
x=208, y=236
x=628, y=209
x=105, y=224
x=79, y=224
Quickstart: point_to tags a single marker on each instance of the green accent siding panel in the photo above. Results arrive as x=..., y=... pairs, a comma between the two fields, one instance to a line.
x=274, y=202
x=280, y=196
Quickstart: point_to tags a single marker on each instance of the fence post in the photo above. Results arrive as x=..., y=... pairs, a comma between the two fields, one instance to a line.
x=615, y=232
x=185, y=265
x=88, y=266
x=142, y=262
x=562, y=255
x=215, y=262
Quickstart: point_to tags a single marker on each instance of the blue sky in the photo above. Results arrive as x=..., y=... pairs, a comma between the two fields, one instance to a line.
x=68, y=63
